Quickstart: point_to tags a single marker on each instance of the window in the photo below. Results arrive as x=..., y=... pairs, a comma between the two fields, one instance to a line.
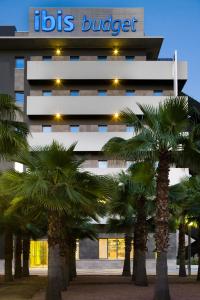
x=74, y=93
x=38, y=253
x=19, y=97
x=46, y=128
x=102, y=92
x=74, y=128
x=112, y=248
x=47, y=93
x=102, y=57
x=102, y=128
x=130, y=92
x=129, y=57
x=157, y=92
x=19, y=62
x=74, y=57
x=103, y=164
x=129, y=128
x=47, y=58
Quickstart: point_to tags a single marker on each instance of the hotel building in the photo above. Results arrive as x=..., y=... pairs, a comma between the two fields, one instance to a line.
x=72, y=73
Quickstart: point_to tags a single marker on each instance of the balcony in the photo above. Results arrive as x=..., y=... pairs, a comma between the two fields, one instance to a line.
x=87, y=105
x=86, y=141
x=101, y=70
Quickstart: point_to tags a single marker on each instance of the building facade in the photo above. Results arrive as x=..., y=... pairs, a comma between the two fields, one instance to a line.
x=72, y=73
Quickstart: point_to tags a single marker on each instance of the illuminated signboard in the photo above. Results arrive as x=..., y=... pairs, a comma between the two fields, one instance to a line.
x=45, y=22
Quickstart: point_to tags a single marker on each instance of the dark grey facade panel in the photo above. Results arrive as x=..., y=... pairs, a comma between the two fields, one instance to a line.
x=7, y=66
x=88, y=249
x=7, y=30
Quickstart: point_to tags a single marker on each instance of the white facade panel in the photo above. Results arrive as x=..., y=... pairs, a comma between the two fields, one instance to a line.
x=101, y=70
x=87, y=105
x=86, y=141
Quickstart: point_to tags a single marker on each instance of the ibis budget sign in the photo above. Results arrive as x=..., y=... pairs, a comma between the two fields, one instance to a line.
x=85, y=21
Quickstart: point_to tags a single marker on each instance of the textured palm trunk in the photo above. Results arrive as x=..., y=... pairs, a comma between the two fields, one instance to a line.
x=54, y=286
x=198, y=241
x=8, y=253
x=181, y=247
x=26, y=254
x=18, y=256
x=134, y=252
x=64, y=256
x=162, y=228
x=141, y=241
x=127, y=263
x=73, y=258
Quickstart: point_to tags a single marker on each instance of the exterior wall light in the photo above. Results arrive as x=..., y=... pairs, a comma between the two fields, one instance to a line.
x=57, y=116
x=116, y=115
x=115, y=51
x=116, y=81
x=58, y=51
x=58, y=81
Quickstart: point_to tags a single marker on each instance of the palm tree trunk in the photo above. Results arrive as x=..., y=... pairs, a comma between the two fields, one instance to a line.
x=64, y=256
x=134, y=252
x=127, y=263
x=141, y=241
x=182, y=269
x=198, y=241
x=162, y=228
x=26, y=253
x=54, y=287
x=73, y=258
x=8, y=253
x=18, y=255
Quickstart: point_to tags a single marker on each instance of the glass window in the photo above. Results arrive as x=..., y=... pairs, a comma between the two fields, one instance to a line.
x=77, y=249
x=102, y=92
x=102, y=128
x=157, y=92
x=74, y=128
x=102, y=57
x=129, y=128
x=103, y=164
x=74, y=93
x=19, y=96
x=130, y=92
x=46, y=128
x=103, y=248
x=113, y=248
x=47, y=93
x=47, y=58
x=19, y=62
x=38, y=254
x=74, y=57
x=129, y=57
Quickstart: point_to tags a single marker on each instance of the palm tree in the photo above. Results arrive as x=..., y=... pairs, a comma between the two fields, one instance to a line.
x=131, y=209
x=121, y=211
x=143, y=175
x=13, y=132
x=13, y=135
x=192, y=190
x=179, y=207
x=53, y=180
x=160, y=134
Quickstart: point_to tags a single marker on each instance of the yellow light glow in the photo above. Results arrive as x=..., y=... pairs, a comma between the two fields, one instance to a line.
x=116, y=81
x=58, y=51
x=115, y=51
x=116, y=115
x=58, y=81
x=58, y=116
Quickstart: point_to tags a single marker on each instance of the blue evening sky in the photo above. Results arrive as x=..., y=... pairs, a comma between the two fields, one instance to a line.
x=178, y=21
